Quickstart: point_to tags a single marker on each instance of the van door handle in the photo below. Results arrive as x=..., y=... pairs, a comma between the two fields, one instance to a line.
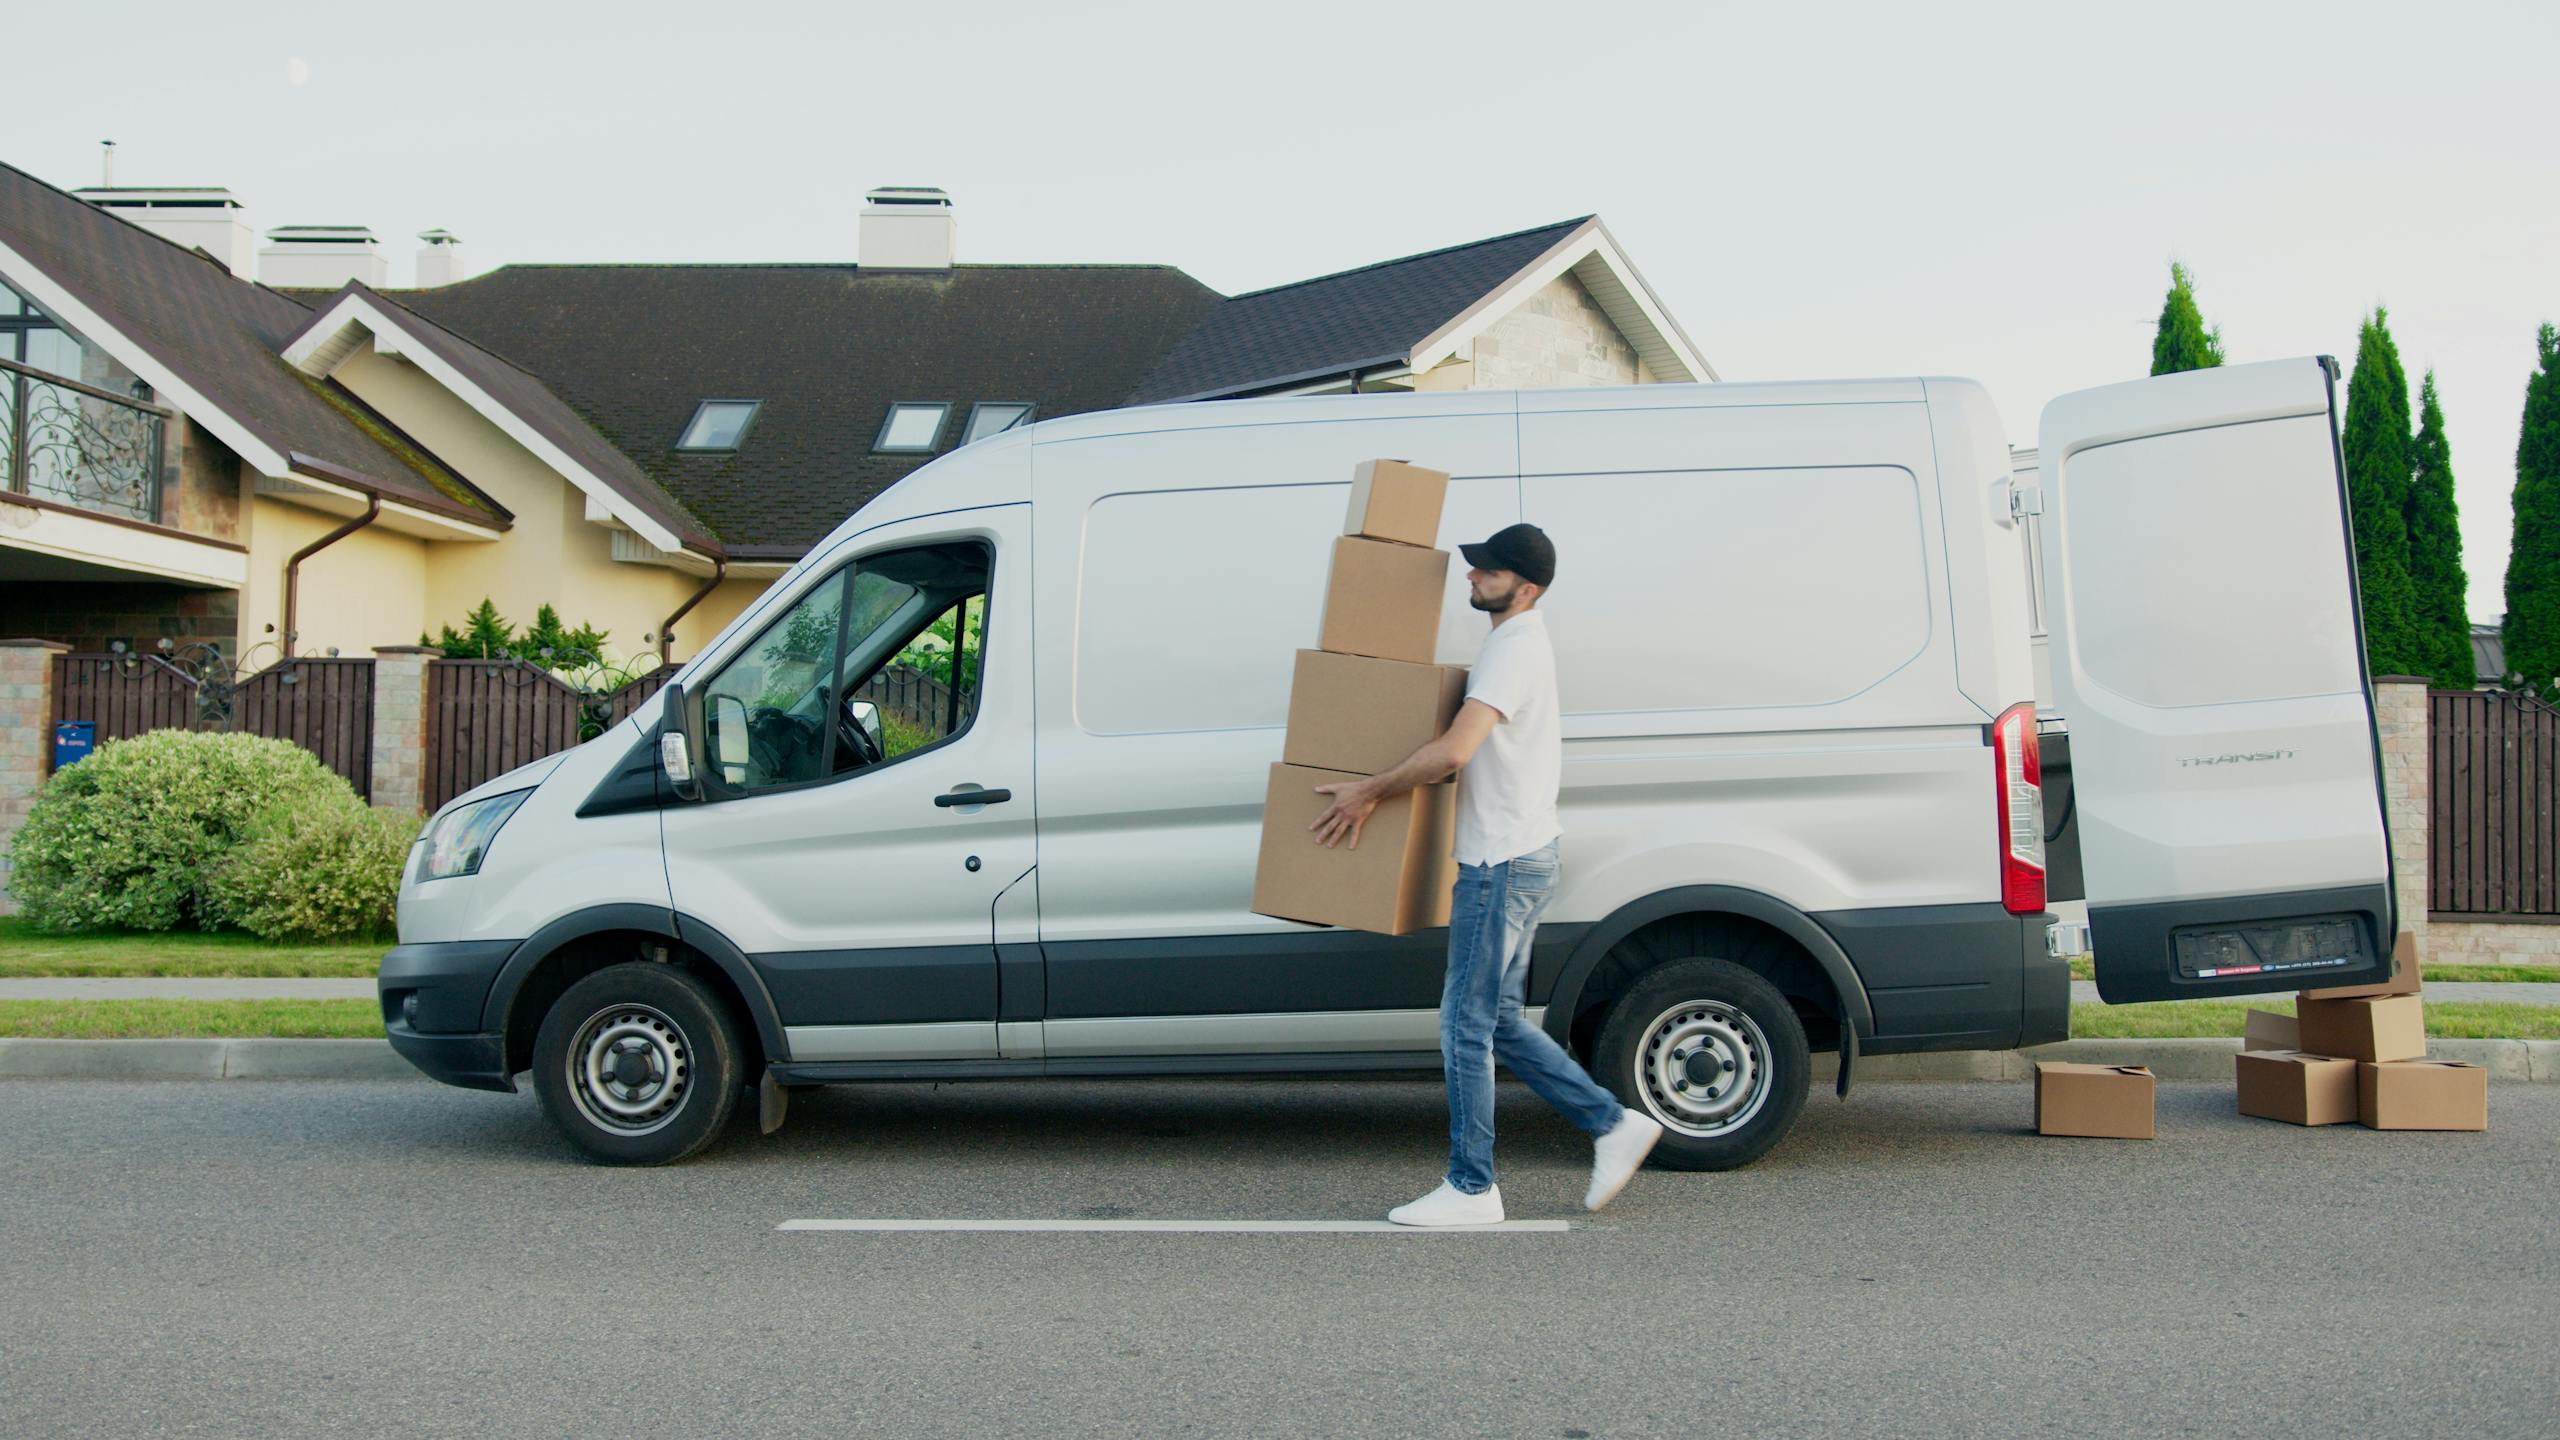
x=972, y=796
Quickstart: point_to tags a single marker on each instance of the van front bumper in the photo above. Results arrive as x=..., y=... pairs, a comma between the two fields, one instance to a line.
x=432, y=1002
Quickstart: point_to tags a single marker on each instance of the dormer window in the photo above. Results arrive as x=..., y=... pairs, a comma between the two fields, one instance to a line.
x=994, y=417
x=719, y=424
x=914, y=427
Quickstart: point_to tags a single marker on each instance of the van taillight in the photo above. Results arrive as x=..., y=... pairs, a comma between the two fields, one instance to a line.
x=2015, y=765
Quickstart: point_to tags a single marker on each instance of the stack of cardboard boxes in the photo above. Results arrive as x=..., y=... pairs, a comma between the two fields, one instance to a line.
x=2358, y=1052
x=1362, y=701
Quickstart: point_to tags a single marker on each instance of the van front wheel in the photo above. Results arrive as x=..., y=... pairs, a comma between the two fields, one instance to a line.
x=1713, y=1052
x=638, y=1064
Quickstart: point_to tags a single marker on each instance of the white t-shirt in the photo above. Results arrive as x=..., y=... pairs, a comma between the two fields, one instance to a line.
x=1507, y=793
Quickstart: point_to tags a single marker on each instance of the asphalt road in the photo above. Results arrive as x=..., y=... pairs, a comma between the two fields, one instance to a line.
x=291, y=1258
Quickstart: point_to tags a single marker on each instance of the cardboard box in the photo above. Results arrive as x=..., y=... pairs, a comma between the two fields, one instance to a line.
x=2267, y=1030
x=1382, y=600
x=2390, y=1027
x=2107, y=1101
x=2423, y=1095
x=1396, y=882
x=2403, y=981
x=2289, y=1085
x=1349, y=712
x=1397, y=501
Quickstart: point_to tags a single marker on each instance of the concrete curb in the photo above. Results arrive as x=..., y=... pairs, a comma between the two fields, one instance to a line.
x=2507, y=1061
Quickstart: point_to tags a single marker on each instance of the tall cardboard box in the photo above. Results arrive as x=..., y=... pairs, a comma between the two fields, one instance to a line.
x=1397, y=881
x=2387, y=1027
x=2422, y=1095
x=1349, y=712
x=1397, y=501
x=1382, y=600
x=2403, y=981
x=2105, y=1101
x=2289, y=1085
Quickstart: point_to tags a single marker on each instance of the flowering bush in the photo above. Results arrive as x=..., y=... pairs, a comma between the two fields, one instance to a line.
x=330, y=872
x=129, y=837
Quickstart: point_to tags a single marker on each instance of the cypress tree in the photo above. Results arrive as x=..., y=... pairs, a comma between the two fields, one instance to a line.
x=2435, y=551
x=2533, y=564
x=2182, y=341
x=2376, y=441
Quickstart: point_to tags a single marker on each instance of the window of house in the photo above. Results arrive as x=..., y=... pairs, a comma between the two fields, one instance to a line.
x=718, y=424
x=994, y=417
x=913, y=426
x=874, y=663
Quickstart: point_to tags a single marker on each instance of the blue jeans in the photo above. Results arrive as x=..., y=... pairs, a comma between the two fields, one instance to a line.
x=1492, y=917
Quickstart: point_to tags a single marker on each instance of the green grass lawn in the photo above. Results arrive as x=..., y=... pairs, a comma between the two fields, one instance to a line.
x=2463, y=1020
x=2081, y=969
x=158, y=1019
x=29, y=953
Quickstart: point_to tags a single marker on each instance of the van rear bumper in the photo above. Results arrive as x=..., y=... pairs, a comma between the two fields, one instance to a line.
x=1955, y=977
x=432, y=998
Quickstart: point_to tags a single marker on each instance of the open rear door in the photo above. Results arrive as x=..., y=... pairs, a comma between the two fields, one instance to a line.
x=2208, y=657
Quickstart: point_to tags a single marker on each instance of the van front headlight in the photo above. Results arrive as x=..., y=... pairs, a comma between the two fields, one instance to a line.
x=460, y=837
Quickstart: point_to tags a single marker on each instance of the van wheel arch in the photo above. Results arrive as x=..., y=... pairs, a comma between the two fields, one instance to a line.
x=1759, y=932
x=577, y=945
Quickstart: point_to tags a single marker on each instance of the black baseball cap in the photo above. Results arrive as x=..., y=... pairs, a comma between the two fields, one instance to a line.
x=1524, y=550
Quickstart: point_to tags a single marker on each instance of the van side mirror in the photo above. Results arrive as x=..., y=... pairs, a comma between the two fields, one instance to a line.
x=677, y=745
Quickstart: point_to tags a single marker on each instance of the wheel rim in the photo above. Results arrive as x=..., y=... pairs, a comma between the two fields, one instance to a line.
x=1703, y=1068
x=630, y=1069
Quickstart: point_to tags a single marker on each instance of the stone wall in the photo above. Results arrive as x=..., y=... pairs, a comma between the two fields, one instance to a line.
x=26, y=739
x=2400, y=714
x=1558, y=336
x=89, y=616
x=201, y=493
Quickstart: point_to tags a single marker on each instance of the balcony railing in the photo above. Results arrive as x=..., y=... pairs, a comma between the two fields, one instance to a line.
x=79, y=445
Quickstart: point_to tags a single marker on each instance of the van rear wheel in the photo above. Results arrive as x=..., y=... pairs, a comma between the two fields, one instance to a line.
x=638, y=1064
x=1713, y=1052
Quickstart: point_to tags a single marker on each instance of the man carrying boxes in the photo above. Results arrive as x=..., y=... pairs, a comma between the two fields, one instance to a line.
x=1505, y=745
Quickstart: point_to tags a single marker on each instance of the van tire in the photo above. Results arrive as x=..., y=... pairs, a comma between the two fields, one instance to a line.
x=1693, y=1024
x=639, y=1064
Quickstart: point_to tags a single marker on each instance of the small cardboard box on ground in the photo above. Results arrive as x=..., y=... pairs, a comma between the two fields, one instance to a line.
x=2403, y=981
x=1397, y=501
x=2290, y=1085
x=1397, y=881
x=1382, y=600
x=1349, y=712
x=2422, y=1095
x=2103, y=1101
x=2387, y=1027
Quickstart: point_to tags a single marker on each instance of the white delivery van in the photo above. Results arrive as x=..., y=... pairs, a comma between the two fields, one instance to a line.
x=1804, y=796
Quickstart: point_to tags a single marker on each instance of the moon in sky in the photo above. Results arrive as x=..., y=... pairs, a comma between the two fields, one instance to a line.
x=297, y=70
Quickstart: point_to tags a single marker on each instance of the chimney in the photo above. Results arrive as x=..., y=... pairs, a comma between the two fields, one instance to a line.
x=907, y=227
x=439, y=258
x=321, y=257
x=200, y=217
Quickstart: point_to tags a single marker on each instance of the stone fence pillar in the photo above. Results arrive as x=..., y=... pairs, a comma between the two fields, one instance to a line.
x=400, y=726
x=2400, y=710
x=26, y=739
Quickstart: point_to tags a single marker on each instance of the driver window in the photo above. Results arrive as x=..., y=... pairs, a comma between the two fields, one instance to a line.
x=877, y=662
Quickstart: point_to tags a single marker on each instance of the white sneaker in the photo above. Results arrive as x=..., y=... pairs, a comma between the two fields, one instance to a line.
x=1616, y=1156
x=1450, y=1205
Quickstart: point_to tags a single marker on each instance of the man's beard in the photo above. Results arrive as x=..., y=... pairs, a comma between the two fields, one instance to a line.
x=1493, y=605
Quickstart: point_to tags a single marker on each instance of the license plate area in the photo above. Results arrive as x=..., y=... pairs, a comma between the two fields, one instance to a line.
x=2312, y=944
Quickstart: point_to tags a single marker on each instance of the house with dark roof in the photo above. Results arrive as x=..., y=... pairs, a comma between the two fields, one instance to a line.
x=327, y=463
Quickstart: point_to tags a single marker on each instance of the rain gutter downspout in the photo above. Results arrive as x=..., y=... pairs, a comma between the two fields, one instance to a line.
x=667, y=627
x=293, y=567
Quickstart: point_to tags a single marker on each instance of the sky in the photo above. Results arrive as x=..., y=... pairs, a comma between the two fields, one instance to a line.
x=1849, y=189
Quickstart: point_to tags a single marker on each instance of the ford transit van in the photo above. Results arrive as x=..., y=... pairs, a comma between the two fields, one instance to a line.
x=1808, y=805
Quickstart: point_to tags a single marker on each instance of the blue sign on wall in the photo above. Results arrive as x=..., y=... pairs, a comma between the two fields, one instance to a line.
x=73, y=740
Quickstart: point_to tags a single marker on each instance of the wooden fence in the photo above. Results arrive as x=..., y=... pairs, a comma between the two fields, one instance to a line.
x=123, y=695
x=323, y=705
x=2492, y=847
x=486, y=717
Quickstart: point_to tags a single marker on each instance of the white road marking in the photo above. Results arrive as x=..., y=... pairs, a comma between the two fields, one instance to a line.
x=1186, y=1227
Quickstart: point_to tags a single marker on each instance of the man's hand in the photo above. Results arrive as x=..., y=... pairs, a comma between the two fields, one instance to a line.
x=1353, y=801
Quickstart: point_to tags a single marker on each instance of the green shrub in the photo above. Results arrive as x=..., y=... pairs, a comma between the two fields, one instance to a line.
x=128, y=838
x=328, y=872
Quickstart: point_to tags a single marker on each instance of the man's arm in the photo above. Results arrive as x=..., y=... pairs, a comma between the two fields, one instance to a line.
x=1353, y=800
